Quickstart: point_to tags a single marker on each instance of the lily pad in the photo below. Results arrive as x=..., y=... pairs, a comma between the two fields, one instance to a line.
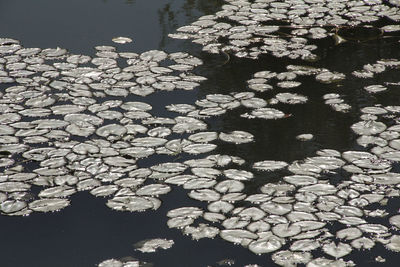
x=152, y=245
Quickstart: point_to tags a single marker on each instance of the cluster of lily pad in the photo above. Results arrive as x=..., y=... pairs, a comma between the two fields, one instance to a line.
x=56, y=154
x=100, y=76
x=66, y=125
x=306, y=212
x=250, y=28
x=59, y=133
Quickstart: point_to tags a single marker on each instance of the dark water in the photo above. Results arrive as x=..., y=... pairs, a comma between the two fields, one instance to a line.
x=88, y=232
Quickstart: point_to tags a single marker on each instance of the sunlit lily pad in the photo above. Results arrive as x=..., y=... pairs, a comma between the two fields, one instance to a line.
x=203, y=137
x=153, y=244
x=121, y=40
x=11, y=206
x=368, y=127
x=267, y=113
x=229, y=186
x=319, y=189
x=329, y=77
x=148, y=141
x=363, y=243
x=266, y=245
x=337, y=250
x=290, y=98
x=300, y=180
x=276, y=208
x=49, y=205
x=269, y=165
x=237, y=137
x=394, y=243
x=130, y=203
x=204, y=195
x=238, y=236
x=202, y=231
x=191, y=212
x=199, y=148
x=239, y=175
x=305, y=245
x=289, y=258
x=105, y=190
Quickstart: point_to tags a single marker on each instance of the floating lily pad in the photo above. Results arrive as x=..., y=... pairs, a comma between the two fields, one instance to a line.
x=266, y=245
x=199, y=148
x=202, y=231
x=300, y=180
x=363, y=243
x=237, y=137
x=152, y=245
x=290, y=98
x=289, y=258
x=49, y=205
x=394, y=243
x=368, y=127
x=130, y=203
x=269, y=165
x=238, y=236
x=305, y=137
x=203, y=137
x=305, y=245
x=267, y=113
x=337, y=250
x=121, y=40
x=11, y=206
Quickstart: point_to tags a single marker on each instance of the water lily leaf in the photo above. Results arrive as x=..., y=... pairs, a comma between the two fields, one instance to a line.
x=363, y=243
x=394, y=243
x=49, y=205
x=266, y=245
x=153, y=190
x=239, y=175
x=305, y=245
x=204, y=195
x=152, y=245
x=121, y=40
x=269, y=165
x=130, y=203
x=238, y=236
x=202, y=231
x=337, y=250
x=199, y=183
x=289, y=258
x=237, y=137
x=220, y=207
x=199, y=148
x=11, y=206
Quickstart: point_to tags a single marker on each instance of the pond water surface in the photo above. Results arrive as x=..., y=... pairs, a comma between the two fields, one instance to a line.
x=87, y=232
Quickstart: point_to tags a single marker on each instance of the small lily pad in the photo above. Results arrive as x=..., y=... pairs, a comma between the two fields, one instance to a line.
x=152, y=245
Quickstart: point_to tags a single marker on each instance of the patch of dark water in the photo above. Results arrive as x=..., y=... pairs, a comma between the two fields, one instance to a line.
x=79, y=26
x=88, y=232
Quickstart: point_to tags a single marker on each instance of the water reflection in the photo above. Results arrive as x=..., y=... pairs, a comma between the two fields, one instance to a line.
x=174, y=14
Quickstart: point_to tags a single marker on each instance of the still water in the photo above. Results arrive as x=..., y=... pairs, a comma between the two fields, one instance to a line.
x=88, y=232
